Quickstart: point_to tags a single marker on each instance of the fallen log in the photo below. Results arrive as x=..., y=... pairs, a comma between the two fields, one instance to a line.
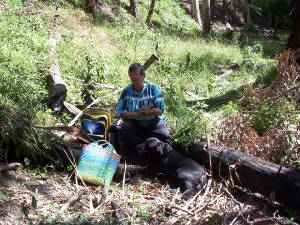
x=280, y=183
x=9, y=166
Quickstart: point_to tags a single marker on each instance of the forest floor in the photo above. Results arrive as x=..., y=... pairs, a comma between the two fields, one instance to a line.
x=39, y=195
x=35, y=197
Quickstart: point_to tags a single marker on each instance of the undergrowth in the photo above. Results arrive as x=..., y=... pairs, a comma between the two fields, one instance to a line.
x=268, y=126
x=90, y=54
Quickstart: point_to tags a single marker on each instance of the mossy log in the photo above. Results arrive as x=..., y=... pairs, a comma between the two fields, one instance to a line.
x=275, y=181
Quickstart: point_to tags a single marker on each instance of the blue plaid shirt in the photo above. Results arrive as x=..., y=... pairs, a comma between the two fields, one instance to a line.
x=132, y=101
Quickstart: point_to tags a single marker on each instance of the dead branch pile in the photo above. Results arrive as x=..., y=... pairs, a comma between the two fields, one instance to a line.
x=259, y=102
x=139, y=201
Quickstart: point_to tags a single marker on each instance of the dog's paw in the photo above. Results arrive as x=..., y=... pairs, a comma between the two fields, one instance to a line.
x=188, y=193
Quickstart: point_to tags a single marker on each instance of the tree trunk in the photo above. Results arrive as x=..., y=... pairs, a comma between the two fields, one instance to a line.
x=151, y=9
x=206, y=15
x=133, y=8
x=235, y=13
x=195, y=11
x=225, y=5
x=246, y=10
x=92, y=7
x=212, y=8
x=294, y=38
x=275, y=181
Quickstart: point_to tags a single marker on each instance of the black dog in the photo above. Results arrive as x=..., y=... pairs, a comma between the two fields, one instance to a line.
x=57, y=97
x=180, y=170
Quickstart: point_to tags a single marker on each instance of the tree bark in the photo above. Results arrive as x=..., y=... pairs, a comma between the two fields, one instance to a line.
x=212, y=8
x=294, y=38
x=133, y=8
x=225, y=5
x=206, y=15
x=92, y=7
x=151, y=9
x=195, y=11
x=246, y=10
x=149, y=62
x=280, y=183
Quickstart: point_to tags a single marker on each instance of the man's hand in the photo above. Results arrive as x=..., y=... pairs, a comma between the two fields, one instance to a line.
x=147, y=110
x=150, y=110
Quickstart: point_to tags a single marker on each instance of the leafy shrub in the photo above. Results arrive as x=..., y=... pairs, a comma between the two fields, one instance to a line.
x=252, y=28
x=22, y=140
x=188, y=123
x=253, y=49
x=94, y=72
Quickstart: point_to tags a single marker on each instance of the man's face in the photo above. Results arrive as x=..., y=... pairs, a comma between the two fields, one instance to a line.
x=136, y=78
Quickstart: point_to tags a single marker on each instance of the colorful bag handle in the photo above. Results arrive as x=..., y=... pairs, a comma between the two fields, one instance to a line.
x=105, y=143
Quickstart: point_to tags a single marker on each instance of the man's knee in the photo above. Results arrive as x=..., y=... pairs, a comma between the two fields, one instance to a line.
x=161, y=128
x=128, y=126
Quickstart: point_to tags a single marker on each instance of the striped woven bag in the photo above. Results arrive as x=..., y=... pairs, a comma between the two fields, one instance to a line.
x=98, y=162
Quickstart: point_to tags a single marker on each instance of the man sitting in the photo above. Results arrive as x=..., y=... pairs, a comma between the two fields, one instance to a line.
x=141, y=105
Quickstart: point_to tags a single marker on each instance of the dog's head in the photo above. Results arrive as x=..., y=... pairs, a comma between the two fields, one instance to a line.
x=155, y=147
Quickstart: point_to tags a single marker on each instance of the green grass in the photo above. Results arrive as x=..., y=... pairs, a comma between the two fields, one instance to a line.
x=188, y=60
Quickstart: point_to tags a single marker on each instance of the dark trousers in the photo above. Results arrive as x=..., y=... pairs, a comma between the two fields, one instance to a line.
x=132, y=133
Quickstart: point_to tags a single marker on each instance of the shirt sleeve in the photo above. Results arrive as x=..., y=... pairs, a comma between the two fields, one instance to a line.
x=159, y=99
x=121, y=106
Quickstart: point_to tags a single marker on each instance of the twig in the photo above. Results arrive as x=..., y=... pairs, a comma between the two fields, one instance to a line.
x=236, y=201
x=205, y=193
x=281, y=220
x=73, y=131
x=224, y=75
x=192, y=199
x=79, y=114
x=9, y=166
x=104, y=193
x=172, y=220
x=72, y=200
x=119, y=213
x=209, y=152
x=39, y=177
x=175, y=196
x=178, y=217
x=123, y=182
x=240, y=213
x=18, y=190
x=211, y=202
x=93, y=103
x=75, y=168
x=182, y=209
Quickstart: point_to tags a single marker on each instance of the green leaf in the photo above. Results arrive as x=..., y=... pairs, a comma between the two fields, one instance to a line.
x=27, y=161
x=2, y=196
x=69, y=168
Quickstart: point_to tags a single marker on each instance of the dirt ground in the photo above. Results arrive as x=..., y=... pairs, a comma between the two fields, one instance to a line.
x=32, y=196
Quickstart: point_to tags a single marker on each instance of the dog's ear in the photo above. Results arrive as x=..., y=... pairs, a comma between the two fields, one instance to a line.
x=152, y=142
x=167, y=147
x=160, y=148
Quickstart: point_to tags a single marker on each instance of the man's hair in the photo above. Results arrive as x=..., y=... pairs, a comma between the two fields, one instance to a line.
x=137, y=66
